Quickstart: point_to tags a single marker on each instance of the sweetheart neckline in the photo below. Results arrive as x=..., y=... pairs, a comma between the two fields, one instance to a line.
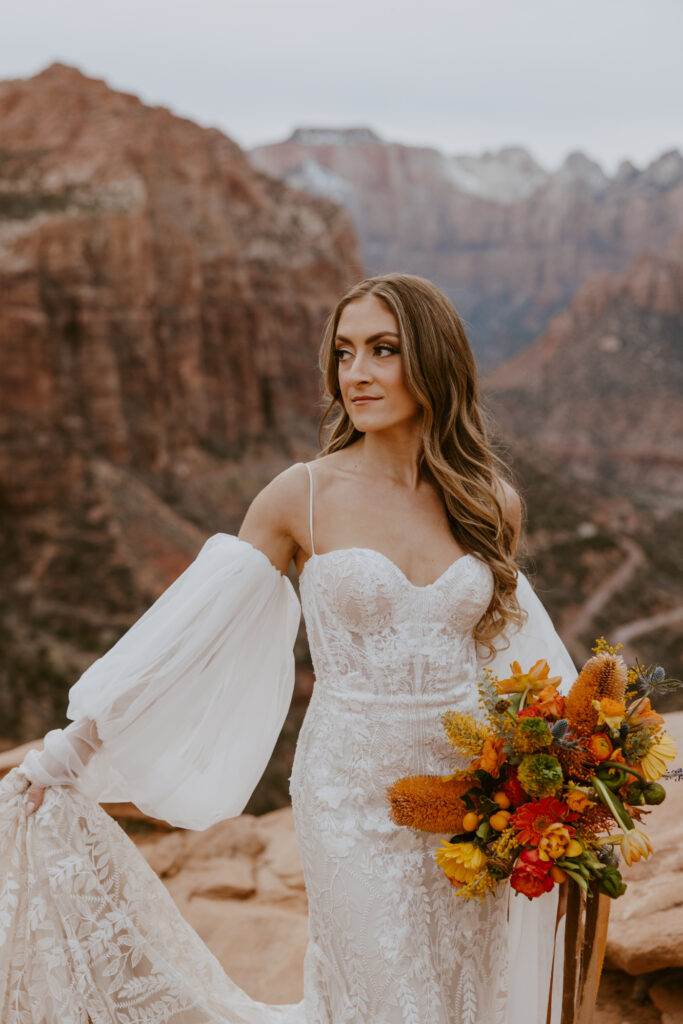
x=397, y=568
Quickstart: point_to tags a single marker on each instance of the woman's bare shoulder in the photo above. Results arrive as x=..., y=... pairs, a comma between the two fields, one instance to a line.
x=276, y=521
x=281, y=499
x=288, y=492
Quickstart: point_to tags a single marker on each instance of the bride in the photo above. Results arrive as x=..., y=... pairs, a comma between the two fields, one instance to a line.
x=403, y=533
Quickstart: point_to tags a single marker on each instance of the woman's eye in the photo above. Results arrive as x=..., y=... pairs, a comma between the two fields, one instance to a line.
x=341, y=354
x=389, y=349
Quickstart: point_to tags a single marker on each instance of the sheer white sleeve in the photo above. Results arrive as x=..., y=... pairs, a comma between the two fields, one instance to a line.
x=181, y=715
x=536, y=638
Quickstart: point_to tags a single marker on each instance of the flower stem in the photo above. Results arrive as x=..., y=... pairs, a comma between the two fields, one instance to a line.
x=612, y=803
x=623, y=767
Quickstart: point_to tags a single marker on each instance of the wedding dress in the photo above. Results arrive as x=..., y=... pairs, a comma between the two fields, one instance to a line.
x=182, y=714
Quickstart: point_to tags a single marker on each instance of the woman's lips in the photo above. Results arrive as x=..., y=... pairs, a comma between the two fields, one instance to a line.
x=362, y=399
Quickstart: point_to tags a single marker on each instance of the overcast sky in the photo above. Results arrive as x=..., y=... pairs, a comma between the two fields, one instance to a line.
x=603, y=76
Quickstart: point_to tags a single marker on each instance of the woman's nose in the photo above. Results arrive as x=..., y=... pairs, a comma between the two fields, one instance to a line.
x=360, y=369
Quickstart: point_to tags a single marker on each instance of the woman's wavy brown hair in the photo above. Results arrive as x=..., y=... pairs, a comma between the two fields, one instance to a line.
x=456, y=455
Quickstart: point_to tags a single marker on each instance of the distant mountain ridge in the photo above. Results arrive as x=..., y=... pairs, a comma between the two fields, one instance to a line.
x=602, y=389
x=509, y=241
x=504, y=174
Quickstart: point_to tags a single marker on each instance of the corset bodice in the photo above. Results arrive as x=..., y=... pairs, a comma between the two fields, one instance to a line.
x=371, y=631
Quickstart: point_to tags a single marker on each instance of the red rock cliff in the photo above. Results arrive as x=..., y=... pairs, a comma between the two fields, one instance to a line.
x=162, y=305
x=161, y=297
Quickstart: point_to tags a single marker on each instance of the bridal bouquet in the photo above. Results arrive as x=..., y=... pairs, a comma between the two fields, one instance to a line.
x=554, y=783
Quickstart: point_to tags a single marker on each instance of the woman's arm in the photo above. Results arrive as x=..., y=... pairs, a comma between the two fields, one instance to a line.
x=276, y=521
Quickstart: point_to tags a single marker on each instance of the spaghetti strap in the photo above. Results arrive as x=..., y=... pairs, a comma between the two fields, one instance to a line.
x=310, y=505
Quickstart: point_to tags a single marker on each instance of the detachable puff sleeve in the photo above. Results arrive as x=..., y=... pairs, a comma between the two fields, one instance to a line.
x=536, y=638
x=181, y=715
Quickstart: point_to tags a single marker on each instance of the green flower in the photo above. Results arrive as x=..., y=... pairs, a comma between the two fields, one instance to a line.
x=531, y=735
x=540, y=775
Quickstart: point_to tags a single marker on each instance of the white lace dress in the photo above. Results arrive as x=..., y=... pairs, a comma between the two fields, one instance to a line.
x=188, y=705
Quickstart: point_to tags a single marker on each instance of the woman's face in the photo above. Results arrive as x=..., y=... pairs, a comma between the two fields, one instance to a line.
x=370, y=366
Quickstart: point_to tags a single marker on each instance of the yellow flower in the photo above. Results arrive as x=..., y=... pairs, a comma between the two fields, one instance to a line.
x=461, y=862
x=635, y=845
x=654, y=765
x=574, y=849
x=536, y=679
x=576, y=800
x=610, y=713
x=554, y=841
x=464, y=732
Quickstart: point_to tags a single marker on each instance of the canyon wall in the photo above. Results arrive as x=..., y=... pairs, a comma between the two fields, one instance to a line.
x=508, y=241
x=162, y=307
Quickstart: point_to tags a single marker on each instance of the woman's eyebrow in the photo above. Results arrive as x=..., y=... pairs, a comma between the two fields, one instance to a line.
x=373, y=337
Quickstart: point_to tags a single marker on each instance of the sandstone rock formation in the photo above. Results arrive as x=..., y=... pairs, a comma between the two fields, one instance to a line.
x=162, y=300
x=162, y=305
x=508, y=241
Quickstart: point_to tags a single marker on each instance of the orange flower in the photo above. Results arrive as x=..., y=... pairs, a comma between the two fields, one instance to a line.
x=427, y=803
x=532, y=819
x=549, y=702
x=612, y=708
x=600, y=746
x=644, y=714
x=610, y=713
x=603, y=675
x=577, y=800
x=492, y=757
x=536, y=679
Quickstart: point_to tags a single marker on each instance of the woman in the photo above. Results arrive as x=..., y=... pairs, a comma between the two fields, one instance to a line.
x=403, y=533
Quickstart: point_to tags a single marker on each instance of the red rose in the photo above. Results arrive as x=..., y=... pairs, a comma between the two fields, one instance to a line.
x=530, y=711
x=513, y=790
x=531, y=877
x=533, y=857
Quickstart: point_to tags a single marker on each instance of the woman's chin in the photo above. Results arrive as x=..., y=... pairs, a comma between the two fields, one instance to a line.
x=366, y=422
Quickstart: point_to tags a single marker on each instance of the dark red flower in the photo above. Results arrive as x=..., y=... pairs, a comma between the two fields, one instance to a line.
x=513, y=790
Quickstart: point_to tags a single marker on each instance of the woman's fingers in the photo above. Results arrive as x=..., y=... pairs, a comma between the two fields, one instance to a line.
x=33, y=798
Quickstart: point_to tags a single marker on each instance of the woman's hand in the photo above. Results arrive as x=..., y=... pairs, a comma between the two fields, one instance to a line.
x=34, y=798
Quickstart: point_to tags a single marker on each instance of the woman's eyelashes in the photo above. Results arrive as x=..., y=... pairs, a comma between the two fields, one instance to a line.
x=385, y=349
